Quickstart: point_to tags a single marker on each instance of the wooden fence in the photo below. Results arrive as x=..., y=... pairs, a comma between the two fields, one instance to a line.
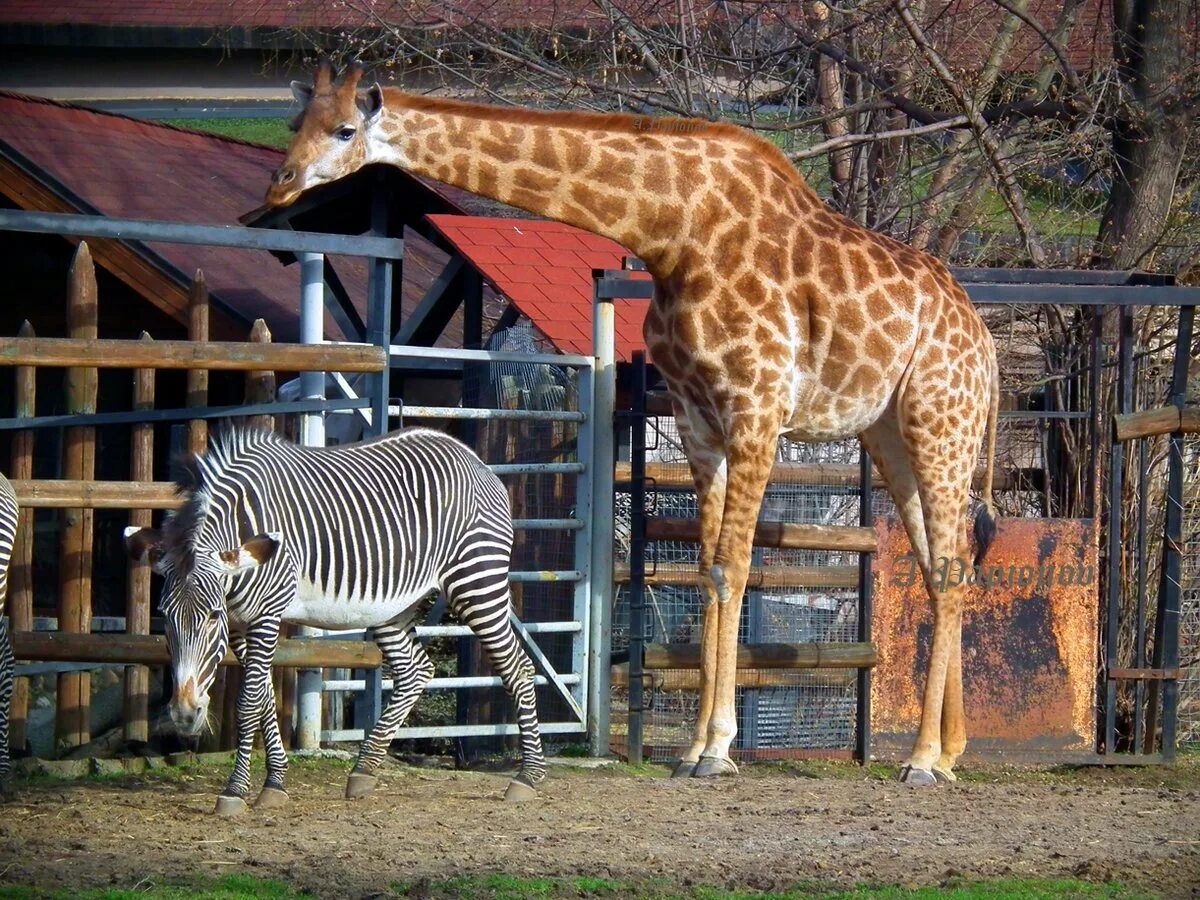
x=79, y=495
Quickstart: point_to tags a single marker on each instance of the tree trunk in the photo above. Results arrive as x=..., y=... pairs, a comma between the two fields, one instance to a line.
x=1149, y=139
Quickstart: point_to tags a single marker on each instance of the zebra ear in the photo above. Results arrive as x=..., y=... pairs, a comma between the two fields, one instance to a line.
x=145, y=545
x=252, y=554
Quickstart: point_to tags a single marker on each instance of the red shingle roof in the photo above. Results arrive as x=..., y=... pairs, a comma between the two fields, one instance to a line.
x=545, y=268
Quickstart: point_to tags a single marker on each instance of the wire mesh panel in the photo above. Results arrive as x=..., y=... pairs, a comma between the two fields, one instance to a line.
x=1189, y=629
x=779, y=712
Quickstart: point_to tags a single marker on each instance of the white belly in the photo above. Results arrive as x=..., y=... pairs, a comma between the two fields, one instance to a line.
x=318, y=609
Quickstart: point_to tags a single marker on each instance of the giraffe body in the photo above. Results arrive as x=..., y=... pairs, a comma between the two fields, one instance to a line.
x=773, y=316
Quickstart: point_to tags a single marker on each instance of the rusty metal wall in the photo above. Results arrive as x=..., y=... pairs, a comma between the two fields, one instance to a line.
x=1030, y=642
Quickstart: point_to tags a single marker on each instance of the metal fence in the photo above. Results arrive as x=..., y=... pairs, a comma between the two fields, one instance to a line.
x=514, y=399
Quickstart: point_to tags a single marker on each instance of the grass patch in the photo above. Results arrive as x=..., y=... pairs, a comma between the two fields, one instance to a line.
x=510, y=887
x=272, y=132
x=231, y=887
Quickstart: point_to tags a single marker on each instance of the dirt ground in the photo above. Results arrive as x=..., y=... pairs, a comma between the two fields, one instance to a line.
x=770, y=829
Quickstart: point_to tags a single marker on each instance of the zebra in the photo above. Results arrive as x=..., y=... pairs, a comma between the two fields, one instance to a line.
x=353, y=536
x=8, y=532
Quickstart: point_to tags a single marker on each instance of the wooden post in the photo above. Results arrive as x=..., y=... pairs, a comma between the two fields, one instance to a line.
x=137, y=598
x=260, y=388
x=73, y=723
x=20, y=581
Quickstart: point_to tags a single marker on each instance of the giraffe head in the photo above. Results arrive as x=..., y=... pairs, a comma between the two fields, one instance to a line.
x=333, y=132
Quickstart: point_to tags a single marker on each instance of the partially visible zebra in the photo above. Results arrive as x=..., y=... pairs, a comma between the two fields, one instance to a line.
x=8, y=665
x=355, y=536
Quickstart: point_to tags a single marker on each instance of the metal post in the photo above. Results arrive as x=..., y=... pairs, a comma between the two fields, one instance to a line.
x=312, y=434
x=1116, y=485
x=604, y=377
x=637, y=554
x=866, y=518
x=1166, y=623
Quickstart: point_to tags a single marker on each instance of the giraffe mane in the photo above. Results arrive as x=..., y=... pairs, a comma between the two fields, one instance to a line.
x=621, y=123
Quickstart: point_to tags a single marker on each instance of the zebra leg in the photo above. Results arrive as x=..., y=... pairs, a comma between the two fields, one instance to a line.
x=7, y=669
x=257, y=652
x=274, y=790
x=495, y=631
x=411, y=669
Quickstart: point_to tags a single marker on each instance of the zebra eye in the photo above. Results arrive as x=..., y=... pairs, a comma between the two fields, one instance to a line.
x=214, y=615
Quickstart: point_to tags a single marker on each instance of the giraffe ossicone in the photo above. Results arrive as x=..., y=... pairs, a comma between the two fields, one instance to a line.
x=773, y=315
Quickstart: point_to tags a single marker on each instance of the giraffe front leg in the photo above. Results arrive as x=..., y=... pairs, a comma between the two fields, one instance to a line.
x=750, y=455
x=411, y=669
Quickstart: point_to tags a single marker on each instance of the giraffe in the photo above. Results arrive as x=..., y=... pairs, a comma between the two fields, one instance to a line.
x=773, y=316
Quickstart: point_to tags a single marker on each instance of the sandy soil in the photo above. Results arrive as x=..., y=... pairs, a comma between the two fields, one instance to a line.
x=768, y=830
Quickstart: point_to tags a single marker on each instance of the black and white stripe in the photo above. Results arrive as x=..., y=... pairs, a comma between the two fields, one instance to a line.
x=8, y=532
x=342, y=537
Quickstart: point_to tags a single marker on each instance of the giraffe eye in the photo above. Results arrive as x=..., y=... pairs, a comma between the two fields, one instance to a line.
x=346, y=133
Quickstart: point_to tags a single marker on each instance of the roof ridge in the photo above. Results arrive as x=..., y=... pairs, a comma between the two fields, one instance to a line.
x=64, y=104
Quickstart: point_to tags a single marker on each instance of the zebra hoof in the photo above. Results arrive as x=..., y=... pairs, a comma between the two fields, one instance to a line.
x=359, y=785
x=684, y=769
x=230, y=806
x=714, y=767
x=917, y=777
x=520, y=790
x=271, y=798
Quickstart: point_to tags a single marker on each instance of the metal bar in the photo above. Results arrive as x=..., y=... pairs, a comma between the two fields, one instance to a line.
x=1139, y=637
x=547, y=524
x=209, y=235
x=466, y=412
x=449, y=731
x=312, y=434
x=150, y=416
x=566, y=360
x=556, y=575
x=433, y=298
x=637, y=555
x=444, y=684
x=1038, y=277
x=1082, y=295
x=581, y=600
x=432, y=631
x=616, y=286
x=1145, y=674
x=866, y=613
x=1166, y=623
x=540, y=659
x=1116, y=467
x=337, y=301
x=539, y=469
x=604, y=393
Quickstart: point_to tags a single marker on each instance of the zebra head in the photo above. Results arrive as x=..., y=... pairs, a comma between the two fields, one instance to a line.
x=196, y=583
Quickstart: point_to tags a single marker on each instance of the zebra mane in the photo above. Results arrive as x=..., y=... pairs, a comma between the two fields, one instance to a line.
x=193, y=474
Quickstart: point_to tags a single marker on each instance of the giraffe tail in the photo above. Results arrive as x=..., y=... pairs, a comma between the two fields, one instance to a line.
x=985, y=519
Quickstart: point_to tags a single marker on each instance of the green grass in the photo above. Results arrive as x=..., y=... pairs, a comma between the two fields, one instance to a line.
x=231, y=887
x=509, y=887
x=272, y=132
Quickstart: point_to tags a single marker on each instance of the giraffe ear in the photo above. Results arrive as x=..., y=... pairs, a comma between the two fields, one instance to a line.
x=302, y=92
x=370, y=101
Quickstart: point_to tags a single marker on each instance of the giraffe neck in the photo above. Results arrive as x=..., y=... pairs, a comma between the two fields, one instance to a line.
x=628, y=178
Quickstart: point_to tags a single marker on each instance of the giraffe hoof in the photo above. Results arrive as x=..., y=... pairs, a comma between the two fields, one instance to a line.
x=520, y=790
x=684, y=769
x=714, y=767
x=230, y=806
x=917, y=777
x=359, y=785
x=271, y=798
x=944, y=776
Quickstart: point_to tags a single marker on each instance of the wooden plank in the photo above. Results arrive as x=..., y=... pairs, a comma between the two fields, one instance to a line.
x=767, y=656
x=689, y=679
x=197, y=377
x=137, y=597
x=73, y=719
x=64, y=493
x=260, y=383
x=151, y=650
x=20, y=580
x=237, y=356
x=1149, y=422
x=780, y=535
x=678, y=475
x=760, y=576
